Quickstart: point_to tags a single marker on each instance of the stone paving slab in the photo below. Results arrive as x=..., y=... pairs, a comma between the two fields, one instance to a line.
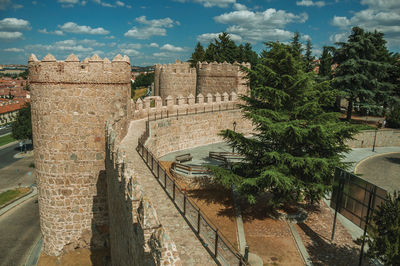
x=190, y=249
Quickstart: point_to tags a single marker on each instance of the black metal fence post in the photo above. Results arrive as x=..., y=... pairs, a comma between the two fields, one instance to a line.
x=184, y=204
x=338, y=203
x=370, y=202
x=216, y=243
x=198, y=221
x=173, y=190
x=165, y=180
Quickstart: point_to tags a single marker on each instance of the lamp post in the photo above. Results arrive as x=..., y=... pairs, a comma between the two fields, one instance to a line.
x=234, y=130
x=376, y=131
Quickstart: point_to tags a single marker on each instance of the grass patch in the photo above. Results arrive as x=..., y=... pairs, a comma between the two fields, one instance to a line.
x=139, y=93
x=6, y=139
x=9, y=195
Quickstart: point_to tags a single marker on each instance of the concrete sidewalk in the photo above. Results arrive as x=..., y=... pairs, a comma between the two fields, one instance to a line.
x=358, y=154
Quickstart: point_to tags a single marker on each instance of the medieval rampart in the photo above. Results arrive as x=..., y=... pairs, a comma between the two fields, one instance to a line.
x=180, y=79
x=176, y=79
x=71, y=100
x=221, y=77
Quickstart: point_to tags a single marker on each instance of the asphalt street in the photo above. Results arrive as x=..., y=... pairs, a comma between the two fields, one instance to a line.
x=7, y=155
x=19, y=231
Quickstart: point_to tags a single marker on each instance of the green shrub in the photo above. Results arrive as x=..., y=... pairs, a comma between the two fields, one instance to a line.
x=393, y=119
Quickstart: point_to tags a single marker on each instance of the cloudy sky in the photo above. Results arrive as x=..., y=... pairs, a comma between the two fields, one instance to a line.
x=161, y=31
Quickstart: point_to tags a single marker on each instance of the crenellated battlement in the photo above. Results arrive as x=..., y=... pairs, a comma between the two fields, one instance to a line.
x=216, y=69
x=177, y=68
x=92, y=70
x=171, y=106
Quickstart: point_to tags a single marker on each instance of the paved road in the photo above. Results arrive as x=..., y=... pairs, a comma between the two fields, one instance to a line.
x=5, y=131
x=16, y=174
x=19, y=231
x=382, y=170
x=7, y=155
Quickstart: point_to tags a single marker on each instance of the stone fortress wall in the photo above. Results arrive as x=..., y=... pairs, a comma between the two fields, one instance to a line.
x=180, y=79
x=71, y=100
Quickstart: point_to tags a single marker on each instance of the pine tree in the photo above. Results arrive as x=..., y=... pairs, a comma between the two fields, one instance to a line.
x=296, y=45
x=211, y=53
x=384, y=232
x=362, y=71
x=198, y=55
x=325, y=63
x=297, y=144
x=308, y=57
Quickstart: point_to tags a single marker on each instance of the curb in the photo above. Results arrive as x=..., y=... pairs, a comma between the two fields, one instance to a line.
x=370, y=157
x=8, y=144
x=18, y=201
x=239, y=223
x=300, y=246
x=34, y=254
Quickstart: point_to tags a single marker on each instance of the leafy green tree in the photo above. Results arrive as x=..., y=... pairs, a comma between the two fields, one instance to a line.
x=384, y=232
x=211, y=53
x=363, y=70
x=298, y=144
x=393, y=119
x=308, y=57
x=198, y=55
x=143, y=80
x=22, y=127
x=246, y=54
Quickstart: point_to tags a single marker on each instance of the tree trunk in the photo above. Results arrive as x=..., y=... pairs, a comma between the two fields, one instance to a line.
x=349, y=110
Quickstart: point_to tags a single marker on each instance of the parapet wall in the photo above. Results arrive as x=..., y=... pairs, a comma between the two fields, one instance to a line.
x=155, y=107
x=71, y=100
x=176, y=79
x=136, y=235
x=384, y=138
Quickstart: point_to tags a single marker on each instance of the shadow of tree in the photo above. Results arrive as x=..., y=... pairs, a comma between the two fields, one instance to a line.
x=337, y=254
x=395, y=160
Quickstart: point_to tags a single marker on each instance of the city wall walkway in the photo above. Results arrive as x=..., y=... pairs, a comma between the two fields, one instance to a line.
x=190, y=249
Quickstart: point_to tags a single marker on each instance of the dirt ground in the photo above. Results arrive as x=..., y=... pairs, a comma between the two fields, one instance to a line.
x=78, y=257
x=316, y=234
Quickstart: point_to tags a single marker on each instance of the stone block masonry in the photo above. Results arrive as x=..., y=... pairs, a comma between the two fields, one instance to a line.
x=71, y=100
x=180, y=79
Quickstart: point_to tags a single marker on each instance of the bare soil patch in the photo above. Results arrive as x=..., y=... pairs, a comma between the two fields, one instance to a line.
x=316, y=234
x=78, y=257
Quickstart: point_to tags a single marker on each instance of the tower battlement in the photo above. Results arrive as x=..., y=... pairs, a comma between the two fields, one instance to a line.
x=92, y=70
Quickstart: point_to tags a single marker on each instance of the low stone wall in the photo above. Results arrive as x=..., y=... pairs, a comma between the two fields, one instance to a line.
x=136, y=234
x=384, y=138
x=177, y=133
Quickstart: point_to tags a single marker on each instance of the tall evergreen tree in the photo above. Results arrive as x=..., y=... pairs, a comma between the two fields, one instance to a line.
x=198, y=55
x=325, y=63
x=297, y=144
x=308, y=57
x=211, y=53
x=362, y=71
x=384, y=232
x=296, y=45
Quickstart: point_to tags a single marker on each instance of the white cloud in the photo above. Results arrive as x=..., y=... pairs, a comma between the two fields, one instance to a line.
x=119, y=3
x=130, y=46
x=171, y=48
x=56, y=32
x=153, y=44
x=72, y=2
x=211, y=3
x=145, y=33
x=4, y=35
x=153, y=27
x=91, y=43
x=239, y=7
x=164, y=22
x=341, y=22
x=209, y=37
x=130, y=52
x=72, y=27
x=17, y=6
x=311, y=3
x=14, y=24
x=161, y=54
x=268, y=25
x=13, y=50
x=109, y=37
x=380, y=15
x=340, y=37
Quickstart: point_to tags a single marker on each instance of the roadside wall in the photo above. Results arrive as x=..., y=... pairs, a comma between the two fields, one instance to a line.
x=384, y=138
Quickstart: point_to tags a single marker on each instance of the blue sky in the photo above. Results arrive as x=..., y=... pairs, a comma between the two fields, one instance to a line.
x=161, y=31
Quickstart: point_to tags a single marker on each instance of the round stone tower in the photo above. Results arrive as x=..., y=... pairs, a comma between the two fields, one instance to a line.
x=71, y=100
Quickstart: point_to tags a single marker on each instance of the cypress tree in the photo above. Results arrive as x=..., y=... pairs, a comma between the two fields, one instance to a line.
x=298, y=144
x=198, y=55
